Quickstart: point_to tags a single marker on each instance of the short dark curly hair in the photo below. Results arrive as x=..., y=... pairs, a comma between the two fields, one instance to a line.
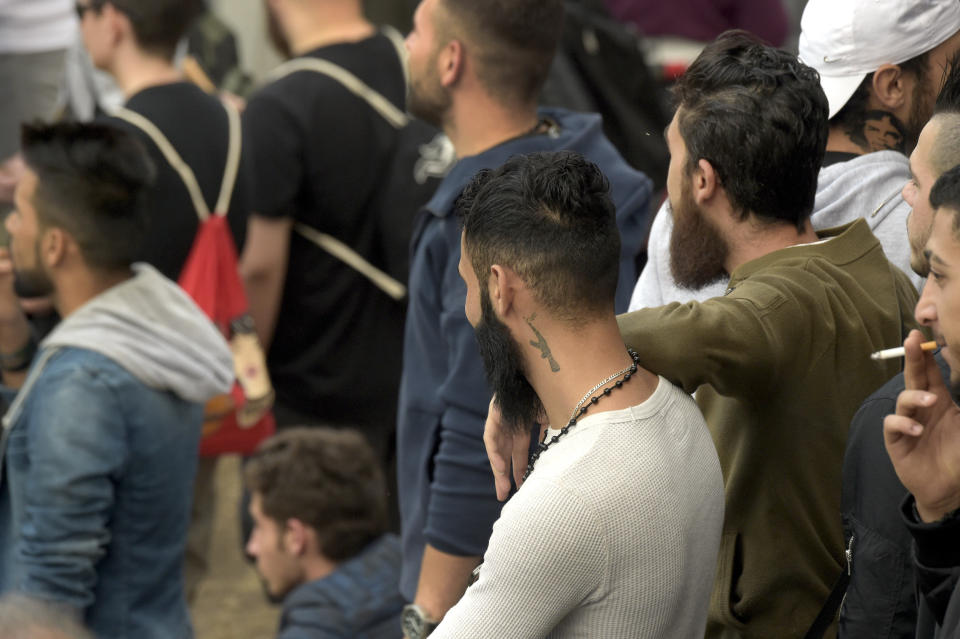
x=549, y=217
x=759, y=116
x=327, y=478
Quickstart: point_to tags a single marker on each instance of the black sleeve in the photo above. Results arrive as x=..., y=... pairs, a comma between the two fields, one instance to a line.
x=937, y=556
x=275, y=144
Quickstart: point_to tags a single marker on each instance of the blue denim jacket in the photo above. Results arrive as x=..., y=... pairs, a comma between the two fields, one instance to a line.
x=95, y=504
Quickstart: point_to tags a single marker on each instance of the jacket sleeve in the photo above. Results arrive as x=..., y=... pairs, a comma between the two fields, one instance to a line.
x=77, y=447
x=463, y=503
x=701, y=343
x=937, y=556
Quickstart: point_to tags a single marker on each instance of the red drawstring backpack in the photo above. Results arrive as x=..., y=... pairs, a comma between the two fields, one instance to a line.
x=238, y=421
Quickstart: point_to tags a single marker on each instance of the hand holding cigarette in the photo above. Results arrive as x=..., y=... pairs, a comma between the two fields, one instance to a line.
x=923, y=436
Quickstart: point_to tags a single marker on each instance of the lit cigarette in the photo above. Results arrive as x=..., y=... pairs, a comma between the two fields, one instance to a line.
x=890, y=353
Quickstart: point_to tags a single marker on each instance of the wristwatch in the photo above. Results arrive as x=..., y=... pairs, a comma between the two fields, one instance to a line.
x=416, y=623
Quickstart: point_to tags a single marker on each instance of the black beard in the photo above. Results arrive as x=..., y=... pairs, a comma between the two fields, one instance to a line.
x=32, y=283
x=520, y=406
x=697, y=250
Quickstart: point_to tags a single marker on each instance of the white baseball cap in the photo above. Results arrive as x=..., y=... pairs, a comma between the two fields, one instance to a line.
x=844, y=40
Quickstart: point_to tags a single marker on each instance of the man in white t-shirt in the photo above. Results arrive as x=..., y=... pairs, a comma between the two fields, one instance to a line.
x=616, y=529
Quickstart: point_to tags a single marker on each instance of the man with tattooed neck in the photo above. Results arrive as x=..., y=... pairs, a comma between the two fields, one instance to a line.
x=881, y=64
x=616, y=529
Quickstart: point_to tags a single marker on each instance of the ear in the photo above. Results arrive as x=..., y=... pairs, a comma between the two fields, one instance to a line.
x=502, y=286
x=295, y=536
x=54, y=245
x=450, y=63
x=118, y=22
x=705, y=183
x=890, y=87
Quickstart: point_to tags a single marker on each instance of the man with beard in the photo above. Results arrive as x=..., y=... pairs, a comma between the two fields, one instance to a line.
x=782, y=361
x=322, y=154
x=100, y=444
x=923, y=436
x=476, y=71
x=594, y=543
x=881, y=64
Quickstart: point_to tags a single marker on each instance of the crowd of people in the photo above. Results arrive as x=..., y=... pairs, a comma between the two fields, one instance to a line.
x=483, y=387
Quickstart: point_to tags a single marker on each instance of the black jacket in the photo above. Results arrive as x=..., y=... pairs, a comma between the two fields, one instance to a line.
x=937, y=569
x=881, y=598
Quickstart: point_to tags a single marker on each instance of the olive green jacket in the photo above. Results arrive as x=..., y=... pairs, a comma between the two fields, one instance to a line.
x=782, y=362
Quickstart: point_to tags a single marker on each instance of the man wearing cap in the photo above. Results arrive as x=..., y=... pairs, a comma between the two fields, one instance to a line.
x=881, y=64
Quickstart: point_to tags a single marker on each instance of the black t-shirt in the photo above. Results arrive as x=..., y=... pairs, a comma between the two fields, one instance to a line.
x=196, y=125
x=318, y=152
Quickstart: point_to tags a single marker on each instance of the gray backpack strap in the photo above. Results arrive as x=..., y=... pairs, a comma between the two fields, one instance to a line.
x=354, y=260
x=397, y=118
x=183, y=169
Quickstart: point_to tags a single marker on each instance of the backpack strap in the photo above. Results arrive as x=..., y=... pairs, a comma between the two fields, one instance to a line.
x=354, y=260
x=400, y=45
x=183, y=169
x=397, y=118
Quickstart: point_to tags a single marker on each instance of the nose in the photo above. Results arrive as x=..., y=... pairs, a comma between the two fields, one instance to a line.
x=10, y=223
x=926, y=309
x=252, y=545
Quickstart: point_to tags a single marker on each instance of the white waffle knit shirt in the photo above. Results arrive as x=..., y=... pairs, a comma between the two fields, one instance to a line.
x=615, y=533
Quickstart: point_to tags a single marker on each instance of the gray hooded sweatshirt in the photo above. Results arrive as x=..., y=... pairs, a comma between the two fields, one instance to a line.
x=867, y=186
x=151, y=328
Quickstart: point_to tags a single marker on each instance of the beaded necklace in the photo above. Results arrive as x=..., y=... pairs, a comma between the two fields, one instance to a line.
x=581, y=408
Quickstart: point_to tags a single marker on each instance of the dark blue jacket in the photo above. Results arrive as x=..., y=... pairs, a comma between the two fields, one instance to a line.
x=359, y=600
x=446, y=490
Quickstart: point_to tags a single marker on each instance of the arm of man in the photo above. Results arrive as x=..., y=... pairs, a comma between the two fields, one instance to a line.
x=275, y=158
x=77, y=447
x=462, y=504
x=264, y=270
x=728, y=342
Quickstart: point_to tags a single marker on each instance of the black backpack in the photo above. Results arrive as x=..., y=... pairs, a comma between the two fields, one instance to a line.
x=600, y=67
x=418, y=162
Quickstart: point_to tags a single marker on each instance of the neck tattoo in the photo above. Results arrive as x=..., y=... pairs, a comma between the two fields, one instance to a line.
x=588, y=400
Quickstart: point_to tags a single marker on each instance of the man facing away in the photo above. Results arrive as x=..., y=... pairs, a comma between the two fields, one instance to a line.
x=334, y=339
x=318, y=505
x=880, y=600
x=923, y=436
x=616, y=530
x=476, y=71
x=100, y=444
x=802, y=313
x=135, y=42
x=881, y=64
